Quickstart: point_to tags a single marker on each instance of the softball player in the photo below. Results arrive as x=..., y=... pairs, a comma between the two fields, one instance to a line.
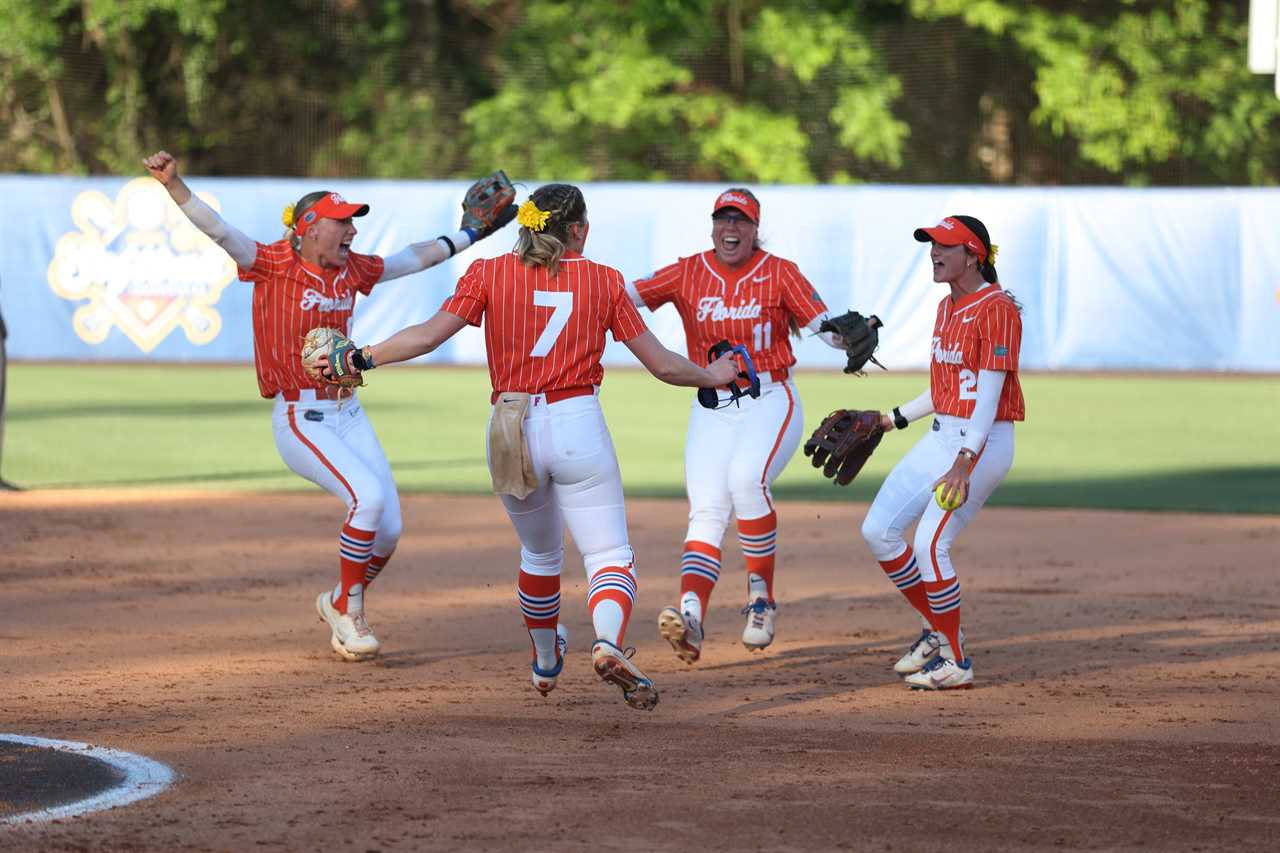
x=738, y=292
x=310, y=278
x=975, y=398
x=546, y=310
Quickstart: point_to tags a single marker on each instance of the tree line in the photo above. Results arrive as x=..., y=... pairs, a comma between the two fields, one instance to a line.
x=1057, y=92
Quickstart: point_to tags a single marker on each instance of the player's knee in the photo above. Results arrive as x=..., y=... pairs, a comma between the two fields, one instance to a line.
x=752, y=501
x=618, y=556
x=707, y=523
x=541, y=562
x=884, y=542
x=390, y=527
x=368, y=505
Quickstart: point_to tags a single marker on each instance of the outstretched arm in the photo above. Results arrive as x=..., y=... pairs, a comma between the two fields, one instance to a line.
x=488, y=206
x=674, y=369
x=163, y=166
x=414, y=341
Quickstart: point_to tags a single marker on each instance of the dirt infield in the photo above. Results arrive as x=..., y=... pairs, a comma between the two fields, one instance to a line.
x=1125, y=662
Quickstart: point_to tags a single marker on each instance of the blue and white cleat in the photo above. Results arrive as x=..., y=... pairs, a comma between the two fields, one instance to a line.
x=929, y=645
x=544, y=681
x=943, y=674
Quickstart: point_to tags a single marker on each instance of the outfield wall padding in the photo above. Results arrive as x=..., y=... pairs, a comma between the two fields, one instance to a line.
x=1109, y=279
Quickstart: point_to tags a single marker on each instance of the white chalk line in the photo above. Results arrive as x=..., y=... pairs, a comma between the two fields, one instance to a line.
x=142, y=778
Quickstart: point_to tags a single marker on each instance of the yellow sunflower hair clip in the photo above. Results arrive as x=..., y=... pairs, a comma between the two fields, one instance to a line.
x=531, y=217
x=991, y=258
x=287, y=216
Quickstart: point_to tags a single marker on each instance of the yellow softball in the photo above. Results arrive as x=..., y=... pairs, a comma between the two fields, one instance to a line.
x=957, y=498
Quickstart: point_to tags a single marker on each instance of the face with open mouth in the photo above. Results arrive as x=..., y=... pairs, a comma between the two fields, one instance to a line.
x=733, y=236
x=949, y=262
x=332, y=241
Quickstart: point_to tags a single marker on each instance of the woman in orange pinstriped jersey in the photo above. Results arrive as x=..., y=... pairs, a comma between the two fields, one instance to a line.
x=975, y=398
x=546, y=310
x=737, y=292
x=310, y=278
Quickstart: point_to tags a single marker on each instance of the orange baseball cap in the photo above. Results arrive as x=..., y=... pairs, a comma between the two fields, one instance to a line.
x=952, y=232
x=738, y=201
x=332, y=206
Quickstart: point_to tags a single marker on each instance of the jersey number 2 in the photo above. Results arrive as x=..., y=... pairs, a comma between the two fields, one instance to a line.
x=968, y=385
x=562, y=302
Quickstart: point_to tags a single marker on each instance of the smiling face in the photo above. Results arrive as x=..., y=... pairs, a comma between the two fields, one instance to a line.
x=733, y=236
x=328, y=242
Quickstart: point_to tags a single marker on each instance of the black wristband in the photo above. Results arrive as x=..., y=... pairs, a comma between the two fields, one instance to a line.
x=899, y=421
x=360, y=362
x=453, y=250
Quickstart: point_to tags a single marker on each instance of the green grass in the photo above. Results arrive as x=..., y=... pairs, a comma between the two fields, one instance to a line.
x=1138, y=442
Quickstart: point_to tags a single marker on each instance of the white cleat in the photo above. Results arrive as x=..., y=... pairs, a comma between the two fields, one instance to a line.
x=352, y=638
x=544, y=681
x=926, y=648
x=614, y=666
x=943, y=674
x=759, y=631
x=683, y=631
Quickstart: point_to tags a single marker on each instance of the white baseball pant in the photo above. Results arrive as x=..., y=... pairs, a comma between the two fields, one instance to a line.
x=907, y=495
x=334, y=446
x=733, y=454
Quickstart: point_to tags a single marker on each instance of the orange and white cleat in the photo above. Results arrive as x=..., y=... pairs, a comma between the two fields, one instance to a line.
x=352, y=638
x=614, y=666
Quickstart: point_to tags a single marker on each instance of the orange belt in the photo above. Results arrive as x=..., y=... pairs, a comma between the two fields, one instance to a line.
x=559, y=394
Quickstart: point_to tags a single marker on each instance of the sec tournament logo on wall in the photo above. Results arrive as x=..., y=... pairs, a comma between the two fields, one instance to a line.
x=142, y=267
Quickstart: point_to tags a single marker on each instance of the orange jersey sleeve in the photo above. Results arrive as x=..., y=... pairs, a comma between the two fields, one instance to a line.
x=663, y=286
x=799, y=297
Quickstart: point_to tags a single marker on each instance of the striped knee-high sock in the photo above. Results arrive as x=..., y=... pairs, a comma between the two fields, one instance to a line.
x=355, y=547
x=610, y=595
x=540, y=605
x=905, y=575
x=699, y=571
x=944, y=605
x=759, y=540
x=376, y=564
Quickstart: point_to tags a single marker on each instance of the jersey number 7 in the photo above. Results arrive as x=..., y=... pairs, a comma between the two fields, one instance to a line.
x=562, y=302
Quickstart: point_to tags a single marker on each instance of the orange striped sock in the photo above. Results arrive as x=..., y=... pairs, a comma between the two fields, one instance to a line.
x=699, y=571
x=905, y=575
x=376, y=563
x=539, y=600
x=355, y=547
x=759, y=540
x=609, y=598
x=944, y=605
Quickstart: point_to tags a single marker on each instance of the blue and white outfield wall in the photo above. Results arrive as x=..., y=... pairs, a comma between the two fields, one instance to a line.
x=1110, y=279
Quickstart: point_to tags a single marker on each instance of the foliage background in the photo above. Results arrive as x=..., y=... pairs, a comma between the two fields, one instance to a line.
x=1047, y=92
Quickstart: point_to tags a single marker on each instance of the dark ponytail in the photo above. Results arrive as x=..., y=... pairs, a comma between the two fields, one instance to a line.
x=987, y=267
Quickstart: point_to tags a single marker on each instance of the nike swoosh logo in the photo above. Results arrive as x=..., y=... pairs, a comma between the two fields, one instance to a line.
x=759, y=278
x=968, y=319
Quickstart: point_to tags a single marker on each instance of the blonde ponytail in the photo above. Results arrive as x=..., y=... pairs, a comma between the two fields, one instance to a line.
x=544, y=225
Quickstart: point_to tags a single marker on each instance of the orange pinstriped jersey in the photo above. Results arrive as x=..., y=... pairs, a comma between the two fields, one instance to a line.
x=750, y=305
x=981, y=331
x=541, y=333
x=290, y=298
